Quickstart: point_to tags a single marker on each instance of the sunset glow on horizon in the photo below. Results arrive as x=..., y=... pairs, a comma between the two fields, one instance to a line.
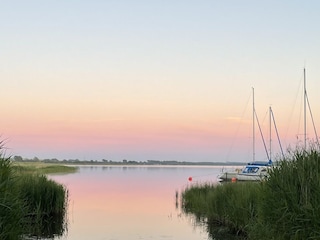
x=116, y=80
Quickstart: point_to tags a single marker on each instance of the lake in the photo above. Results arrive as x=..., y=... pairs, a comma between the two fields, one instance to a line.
x=132, y=202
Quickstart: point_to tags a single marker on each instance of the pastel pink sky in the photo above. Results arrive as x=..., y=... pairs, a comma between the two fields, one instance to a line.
x=101, y=80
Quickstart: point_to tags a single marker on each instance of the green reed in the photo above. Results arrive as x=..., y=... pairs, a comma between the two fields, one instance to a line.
x=285, y=206
x=231, y=204
x=42, y=194
x=45, y=203
x=291, y=197
x=10, y=205
x=30, y=204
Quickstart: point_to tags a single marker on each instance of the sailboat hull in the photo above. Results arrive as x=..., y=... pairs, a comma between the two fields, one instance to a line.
x=250, y=172
x=228, y=176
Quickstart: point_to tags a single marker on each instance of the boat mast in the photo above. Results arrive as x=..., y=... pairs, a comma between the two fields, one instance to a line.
x=305, y=107
x=253, y=129
x=270, y=137
x=255, y=117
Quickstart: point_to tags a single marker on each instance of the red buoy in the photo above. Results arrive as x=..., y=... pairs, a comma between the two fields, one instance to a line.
x=190, y=179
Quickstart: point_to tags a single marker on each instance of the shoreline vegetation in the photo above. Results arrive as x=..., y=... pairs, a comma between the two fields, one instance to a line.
x=35, y=160
x=30, y=167
x=285, y=206
x=31, y=205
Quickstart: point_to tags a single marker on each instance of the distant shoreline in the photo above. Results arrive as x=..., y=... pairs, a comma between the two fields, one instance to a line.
x=130, y=163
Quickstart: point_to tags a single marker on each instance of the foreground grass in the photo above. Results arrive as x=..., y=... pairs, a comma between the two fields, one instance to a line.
x=30, y=204
x=231, y=205
x=286, y=206
x=45, y=205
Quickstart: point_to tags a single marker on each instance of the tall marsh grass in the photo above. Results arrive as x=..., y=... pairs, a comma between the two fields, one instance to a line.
x=45, y=205
x=290, y=202
x=285, y=206
x=41, y=194
x=11, y=211
x=231, y=205
x=30, y=204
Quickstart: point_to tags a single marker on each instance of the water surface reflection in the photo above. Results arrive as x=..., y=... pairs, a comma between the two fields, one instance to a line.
x=131, y=202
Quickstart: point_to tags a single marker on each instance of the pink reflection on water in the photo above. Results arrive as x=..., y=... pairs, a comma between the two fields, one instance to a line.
x=130, y=203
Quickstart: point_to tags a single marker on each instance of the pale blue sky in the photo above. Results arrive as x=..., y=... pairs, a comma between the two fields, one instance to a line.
x=172, y=71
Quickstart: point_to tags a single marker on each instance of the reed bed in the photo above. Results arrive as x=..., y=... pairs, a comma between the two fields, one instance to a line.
x=291, y=197
x=231, y=205
x=30, y=204
x=10, y=205
x=42, y=194
x=45, y=205
x=285, y=206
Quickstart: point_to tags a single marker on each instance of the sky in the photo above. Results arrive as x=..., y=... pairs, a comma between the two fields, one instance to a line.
x=160, y=80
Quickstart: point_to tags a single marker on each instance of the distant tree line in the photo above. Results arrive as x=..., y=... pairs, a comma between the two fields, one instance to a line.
x=123, y=162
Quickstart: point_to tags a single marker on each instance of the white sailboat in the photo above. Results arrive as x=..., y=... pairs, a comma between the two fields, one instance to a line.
x=257, y=171
x=253, y=171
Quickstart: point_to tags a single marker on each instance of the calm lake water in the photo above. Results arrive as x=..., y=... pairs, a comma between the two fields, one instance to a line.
x=132, y=202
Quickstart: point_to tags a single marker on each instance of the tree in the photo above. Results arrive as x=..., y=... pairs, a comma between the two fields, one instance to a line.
x=17, y=158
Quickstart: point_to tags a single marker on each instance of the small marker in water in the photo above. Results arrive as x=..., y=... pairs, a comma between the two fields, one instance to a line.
x=190, y=179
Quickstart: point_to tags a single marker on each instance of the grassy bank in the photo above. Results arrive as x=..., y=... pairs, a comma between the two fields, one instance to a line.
x=286, y=206
x=42, y=168
x=30, y=204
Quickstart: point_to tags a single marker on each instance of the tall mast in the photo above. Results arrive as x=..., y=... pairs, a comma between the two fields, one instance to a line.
x=305, y=107
x=270, y=137
x=253, y=129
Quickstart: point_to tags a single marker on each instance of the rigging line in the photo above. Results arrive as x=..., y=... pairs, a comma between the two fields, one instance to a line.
x=300, y=116
x=314, y=128
x=263, y=124
x=275, y=127
x=238, y=127
x=264, y=143
x=293, y=107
